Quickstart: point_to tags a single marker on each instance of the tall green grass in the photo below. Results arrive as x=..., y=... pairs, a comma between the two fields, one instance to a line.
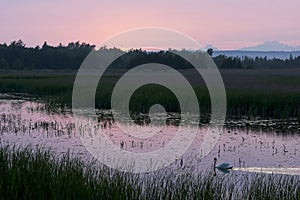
x=34, y=173
x=56, y=89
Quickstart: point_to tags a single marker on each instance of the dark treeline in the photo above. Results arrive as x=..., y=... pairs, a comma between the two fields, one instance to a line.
x=16, y=56
x=226, y=62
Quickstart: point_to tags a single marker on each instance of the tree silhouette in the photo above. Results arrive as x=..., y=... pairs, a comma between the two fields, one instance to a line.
x=210, y=51
x=16, y=56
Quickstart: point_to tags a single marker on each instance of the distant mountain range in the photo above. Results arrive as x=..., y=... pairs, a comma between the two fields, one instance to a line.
x=211, y=47
x=266, y=46
x=271, y=46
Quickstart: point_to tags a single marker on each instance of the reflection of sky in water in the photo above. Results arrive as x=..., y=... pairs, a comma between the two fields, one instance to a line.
x=271, y=170
x=23, y=123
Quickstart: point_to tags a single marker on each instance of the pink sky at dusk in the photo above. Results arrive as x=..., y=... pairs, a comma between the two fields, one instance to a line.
x=226, y=24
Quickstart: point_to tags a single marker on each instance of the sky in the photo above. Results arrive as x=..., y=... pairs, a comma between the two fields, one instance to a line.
x=226, y=24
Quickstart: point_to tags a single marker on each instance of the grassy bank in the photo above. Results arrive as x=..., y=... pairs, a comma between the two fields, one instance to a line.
x=250, y=94
x=38, y=174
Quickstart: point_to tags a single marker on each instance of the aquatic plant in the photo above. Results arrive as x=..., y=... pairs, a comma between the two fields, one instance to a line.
x=37, y=173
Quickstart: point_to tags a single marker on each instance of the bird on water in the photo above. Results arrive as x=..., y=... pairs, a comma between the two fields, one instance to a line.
x=223, y=167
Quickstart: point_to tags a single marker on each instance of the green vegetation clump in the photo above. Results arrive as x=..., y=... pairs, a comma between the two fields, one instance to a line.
x=33, y=173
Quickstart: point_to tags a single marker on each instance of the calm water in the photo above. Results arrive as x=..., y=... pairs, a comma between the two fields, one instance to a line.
x=262, y=54
x=25, y=123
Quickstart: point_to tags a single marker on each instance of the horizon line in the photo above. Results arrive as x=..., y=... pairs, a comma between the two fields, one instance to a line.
x=204, y=47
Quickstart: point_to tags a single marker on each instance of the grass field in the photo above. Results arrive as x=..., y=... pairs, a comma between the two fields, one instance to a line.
x=250, y=93
x=33, y=173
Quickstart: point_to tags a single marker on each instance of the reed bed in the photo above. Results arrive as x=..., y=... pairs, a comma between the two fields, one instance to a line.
x=56, y=90
x=38, y=173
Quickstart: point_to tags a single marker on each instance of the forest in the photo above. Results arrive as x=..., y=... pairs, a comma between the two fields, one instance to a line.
x=17, y=56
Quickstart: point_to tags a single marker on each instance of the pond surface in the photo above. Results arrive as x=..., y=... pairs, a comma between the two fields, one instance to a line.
x=23, y=122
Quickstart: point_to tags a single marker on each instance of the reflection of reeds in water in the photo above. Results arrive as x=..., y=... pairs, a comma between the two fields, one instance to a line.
x=34, y=173
x=61, y=123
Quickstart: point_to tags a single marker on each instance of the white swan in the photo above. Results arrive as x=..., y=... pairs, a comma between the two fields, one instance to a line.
x=224, y=167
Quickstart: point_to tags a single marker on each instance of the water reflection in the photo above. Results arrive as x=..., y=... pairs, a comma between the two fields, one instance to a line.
x=270, y=170
x=248, y=148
